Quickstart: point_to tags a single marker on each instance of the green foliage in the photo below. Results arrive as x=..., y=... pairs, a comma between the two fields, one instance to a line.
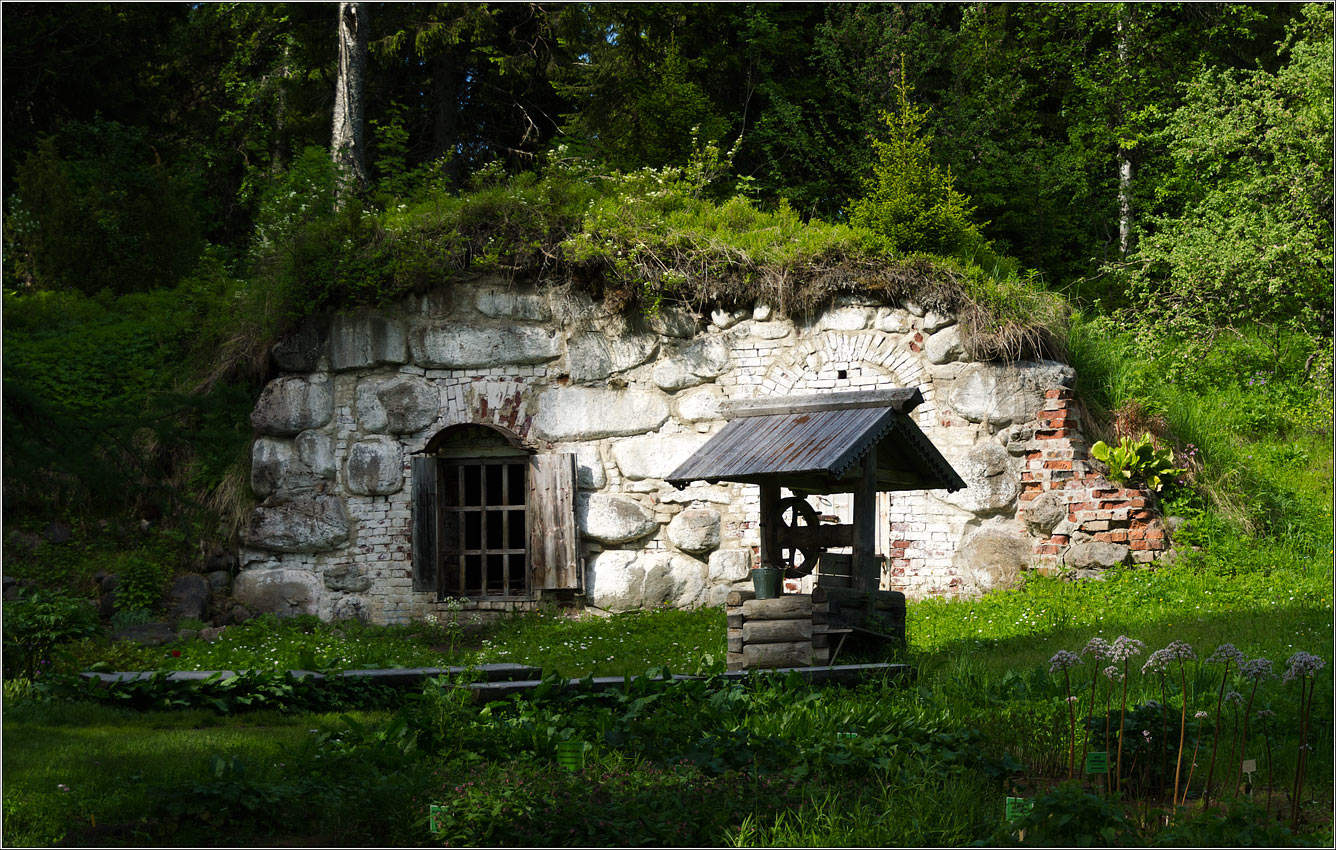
x=1242, y=823
x=909, y=199
x=130, y=616
x=38, y=622
x=96, y=208
x=1138, y=460
x=1247, y=233
x=1070, y=816
x=140, y=584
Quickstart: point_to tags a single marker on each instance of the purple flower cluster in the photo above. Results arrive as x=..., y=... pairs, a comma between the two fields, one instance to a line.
x=1062, y=660
x=1258, y=669
x=1098, y=647
x=1225, y=653
x=1302, y=665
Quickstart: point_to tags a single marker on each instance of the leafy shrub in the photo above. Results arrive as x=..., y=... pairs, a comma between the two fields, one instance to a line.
x=1242, y=823
x=38, y=622
x=140, y=584
x=1138, y=460
x=1070, y=816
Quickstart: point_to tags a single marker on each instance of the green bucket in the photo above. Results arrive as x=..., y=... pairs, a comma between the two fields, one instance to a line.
x=766, y=581
x=571, y=754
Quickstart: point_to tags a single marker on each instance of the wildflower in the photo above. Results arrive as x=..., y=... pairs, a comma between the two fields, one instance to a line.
x=1234, y=698
x=176, y=653
x=62, y=786
x=1257, y=669
x=1225, y=653
x=1062, y=660
x=1157, y=663
x=1302, y=665
x=1201, y=715
x=1180, y=651
x=1266, y=712
x=1073, y=699
x=1125, y=647
x=1098, y=647
x=1113, y=673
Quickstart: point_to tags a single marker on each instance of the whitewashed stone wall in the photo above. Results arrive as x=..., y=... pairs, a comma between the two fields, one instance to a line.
x=359, y=393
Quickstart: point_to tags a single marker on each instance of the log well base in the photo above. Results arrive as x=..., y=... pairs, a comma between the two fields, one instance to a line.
x=807, y=630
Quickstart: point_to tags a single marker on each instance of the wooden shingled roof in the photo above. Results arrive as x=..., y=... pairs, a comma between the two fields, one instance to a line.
x=813, y=443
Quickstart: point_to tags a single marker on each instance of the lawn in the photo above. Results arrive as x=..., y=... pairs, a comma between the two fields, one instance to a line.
x=773, y=763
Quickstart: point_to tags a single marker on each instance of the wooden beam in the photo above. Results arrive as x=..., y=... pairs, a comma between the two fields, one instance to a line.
x=866, y=564
x=769, y=522
x=902, y=400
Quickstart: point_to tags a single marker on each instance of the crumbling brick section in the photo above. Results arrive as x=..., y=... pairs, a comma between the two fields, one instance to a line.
x=1097, y=511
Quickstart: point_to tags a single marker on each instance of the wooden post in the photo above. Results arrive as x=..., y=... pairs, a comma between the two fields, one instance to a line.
x=866, y=567
x=769, y=499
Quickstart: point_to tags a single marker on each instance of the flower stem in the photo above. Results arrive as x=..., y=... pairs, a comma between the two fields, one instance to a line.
x=1215, y=737
x=1182, y=726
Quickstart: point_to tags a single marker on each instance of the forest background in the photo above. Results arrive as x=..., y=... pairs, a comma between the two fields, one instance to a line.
x=171, y=206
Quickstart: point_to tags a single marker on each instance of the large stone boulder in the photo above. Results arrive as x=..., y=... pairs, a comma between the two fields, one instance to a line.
x=316, y=451
x=147, y=634
x=375, y=467
x=1043, y=513
x=1088, y=554
x=303, y=522
x=992, y=559
x=594, y=356
x=1003, y=394
x=613, y=519
x=991, y=477
x=845, y=319
x=730, y=564
x=271, y=465
x=455, y=346
x=282, y=591
x=616, y=581
x=504, y=304
x=701, y=361
x=288, y=406
x=695, y=530
x=673, y=580
x=943, y=346
x=568, y=414
x=699, y=405
x=400, y=404
x=188, y=598
x=653, y=456
x=347, y=578
x=366, y=339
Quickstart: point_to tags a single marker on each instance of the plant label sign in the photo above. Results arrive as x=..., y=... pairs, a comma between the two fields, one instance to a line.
x=1018, y=807
x=432, y=823
x=1097, y=762
x=1250, y=765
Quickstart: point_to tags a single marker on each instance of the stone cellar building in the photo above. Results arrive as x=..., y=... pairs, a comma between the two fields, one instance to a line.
x=510, y=444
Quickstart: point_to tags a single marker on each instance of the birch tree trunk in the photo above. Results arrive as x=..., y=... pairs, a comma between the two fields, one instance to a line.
x=347, y=142
x=1124, y=158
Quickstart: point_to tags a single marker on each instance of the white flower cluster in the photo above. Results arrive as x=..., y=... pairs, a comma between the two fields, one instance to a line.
x=1062, y=660
x=1302, y=665
x=1098, y=647
x=1124, y=648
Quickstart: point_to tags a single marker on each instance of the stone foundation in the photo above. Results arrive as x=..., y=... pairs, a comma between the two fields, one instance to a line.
x=360, y=394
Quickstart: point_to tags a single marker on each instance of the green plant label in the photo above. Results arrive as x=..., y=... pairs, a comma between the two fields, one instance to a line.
x=1250, y=765
x=1018, y=807
x=432, y=823
x=570, y=754
x=1097, y=762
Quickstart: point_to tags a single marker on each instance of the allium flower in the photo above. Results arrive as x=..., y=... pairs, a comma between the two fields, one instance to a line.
x=1114, y=673
x=1201, y=715
x=1302, y=665
x=1073, y=699
x=1062, y=660
x=1124, y=648
x=1225, y=653
x=1234, y=697
x=1257, y=669
x=1098, y=647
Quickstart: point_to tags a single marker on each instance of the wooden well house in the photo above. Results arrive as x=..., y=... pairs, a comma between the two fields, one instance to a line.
x=858, y=442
